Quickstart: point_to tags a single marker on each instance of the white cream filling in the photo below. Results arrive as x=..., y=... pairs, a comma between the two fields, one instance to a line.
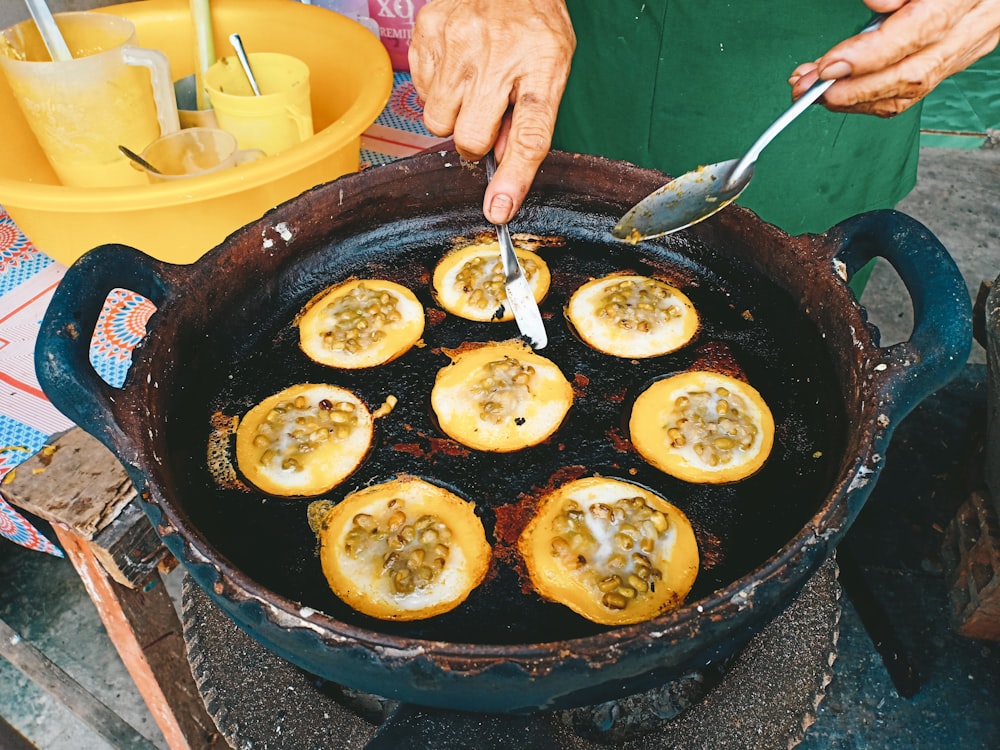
x=710, y=415
x=337, y=456
x=531, y=416
x=366, y=575
x=604, y=333
x=604, y=532
x=457, y=299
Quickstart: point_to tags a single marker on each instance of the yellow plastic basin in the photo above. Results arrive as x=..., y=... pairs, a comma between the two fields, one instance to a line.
x=351, y=81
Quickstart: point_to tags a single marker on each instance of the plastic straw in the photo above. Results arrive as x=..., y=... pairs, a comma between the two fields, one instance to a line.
x=53, y=38
x=204, y=49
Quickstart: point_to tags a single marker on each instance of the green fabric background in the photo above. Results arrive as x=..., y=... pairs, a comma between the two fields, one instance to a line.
x=674, y=84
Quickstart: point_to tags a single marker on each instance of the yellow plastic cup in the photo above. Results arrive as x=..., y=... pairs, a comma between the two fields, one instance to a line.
x=279, y=118
x=194, y=152
x=81, y=110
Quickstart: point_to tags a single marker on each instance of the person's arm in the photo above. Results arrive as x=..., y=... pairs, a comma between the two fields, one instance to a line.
x=886, y=71
x=491, y=74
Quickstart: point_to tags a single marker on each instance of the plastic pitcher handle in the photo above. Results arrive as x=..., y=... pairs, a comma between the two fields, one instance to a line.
x=163, y=88
x=302, y=121
x=250, y=154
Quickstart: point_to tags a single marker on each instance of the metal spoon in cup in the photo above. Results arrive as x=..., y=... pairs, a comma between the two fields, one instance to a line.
x=698, y=194
x=234, y=39
x=138, y=159
x=51, y=36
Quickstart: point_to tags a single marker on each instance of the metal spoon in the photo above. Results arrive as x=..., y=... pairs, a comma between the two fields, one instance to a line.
x=234, y=39
x=138, y=159
x=52, y=37
x=698, y=194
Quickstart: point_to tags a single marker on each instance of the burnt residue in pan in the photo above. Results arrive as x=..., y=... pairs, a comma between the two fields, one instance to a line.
x=748, y=327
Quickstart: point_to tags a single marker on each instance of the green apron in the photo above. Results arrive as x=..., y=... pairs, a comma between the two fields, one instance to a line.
x=674, y=84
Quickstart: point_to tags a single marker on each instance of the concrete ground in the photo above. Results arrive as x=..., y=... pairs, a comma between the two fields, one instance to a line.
x=956, y=197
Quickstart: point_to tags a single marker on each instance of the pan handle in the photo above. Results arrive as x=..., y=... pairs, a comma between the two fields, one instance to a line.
x=939, y=345
x=62, y=352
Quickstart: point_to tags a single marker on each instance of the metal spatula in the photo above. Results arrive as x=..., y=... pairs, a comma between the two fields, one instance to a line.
x=519, y=296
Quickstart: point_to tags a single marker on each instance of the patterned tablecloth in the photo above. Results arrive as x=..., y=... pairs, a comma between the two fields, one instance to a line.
x=28, y=279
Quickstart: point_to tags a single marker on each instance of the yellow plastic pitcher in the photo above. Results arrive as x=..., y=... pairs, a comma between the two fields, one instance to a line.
x=81, y=110
x=274, y=121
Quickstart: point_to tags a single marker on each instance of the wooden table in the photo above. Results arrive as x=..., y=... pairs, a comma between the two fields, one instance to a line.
x=79, y=487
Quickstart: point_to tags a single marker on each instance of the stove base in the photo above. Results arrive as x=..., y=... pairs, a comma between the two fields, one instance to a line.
x=767, y=697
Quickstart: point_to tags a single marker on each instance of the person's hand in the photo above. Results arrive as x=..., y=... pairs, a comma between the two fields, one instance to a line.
x=886, y=71
x=491, y=73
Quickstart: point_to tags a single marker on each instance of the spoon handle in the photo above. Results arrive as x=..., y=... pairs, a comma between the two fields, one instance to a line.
x=51, y=36
x=138, y=159
x=234, y=39
x=801, y=105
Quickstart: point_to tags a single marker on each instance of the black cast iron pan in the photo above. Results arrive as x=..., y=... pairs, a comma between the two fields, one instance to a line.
x=774, y=308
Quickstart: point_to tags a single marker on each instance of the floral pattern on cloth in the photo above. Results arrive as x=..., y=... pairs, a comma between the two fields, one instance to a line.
x=16, y=527
x=399, y=131
x=120, y=327
x=27, y=280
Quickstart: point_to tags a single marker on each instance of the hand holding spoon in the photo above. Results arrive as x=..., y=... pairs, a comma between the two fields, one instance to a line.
x=698, y=194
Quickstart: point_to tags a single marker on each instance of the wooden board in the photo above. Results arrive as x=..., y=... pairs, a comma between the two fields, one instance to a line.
x=144, y=627
x=76, y=481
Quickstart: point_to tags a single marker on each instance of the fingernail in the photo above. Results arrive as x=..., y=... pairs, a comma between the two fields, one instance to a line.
x=834, y=70
x=501, y=208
